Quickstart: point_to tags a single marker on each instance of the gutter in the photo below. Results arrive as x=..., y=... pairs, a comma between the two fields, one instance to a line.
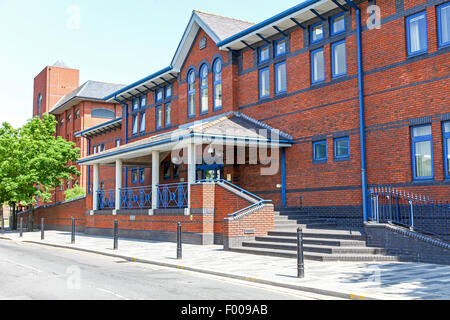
x=362, y=127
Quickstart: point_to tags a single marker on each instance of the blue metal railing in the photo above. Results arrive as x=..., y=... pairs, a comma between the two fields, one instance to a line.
x=136, y=198
x=106, y=199
x=173, y=196
x=413, y=211
x=260, y=201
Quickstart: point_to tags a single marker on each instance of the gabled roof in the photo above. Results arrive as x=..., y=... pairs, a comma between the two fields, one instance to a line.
x=216, y=27
x=232, y=127
x=90, y=91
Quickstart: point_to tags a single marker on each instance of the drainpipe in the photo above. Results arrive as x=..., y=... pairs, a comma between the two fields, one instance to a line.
x=125, y=118
x=89, y=167
x=362, y=127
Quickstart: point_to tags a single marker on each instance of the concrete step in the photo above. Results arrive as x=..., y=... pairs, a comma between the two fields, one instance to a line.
x=321, y=233
x=315, y=241
x=285, y=223
x=315, y=248
x=316, y=256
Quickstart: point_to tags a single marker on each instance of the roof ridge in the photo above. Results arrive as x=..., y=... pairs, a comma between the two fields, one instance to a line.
x=219, y=16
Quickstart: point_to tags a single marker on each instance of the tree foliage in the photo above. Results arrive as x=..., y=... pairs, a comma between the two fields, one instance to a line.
x=34, y=161
x=75, y=192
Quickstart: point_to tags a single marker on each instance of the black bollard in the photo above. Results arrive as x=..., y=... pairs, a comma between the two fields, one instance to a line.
x=73, y=231
x=179, y=248
x=116, y=235
x=300, y=259
x=21, y=227
x=42, y=229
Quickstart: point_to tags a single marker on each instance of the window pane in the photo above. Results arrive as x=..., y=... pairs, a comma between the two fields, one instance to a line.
x=218, y=95
x=135, y=104
x=317, y=33
x=422, y=131
x=264, y=54
x=318, y=66
x=191, y=104
x=143, y=102
x=338, y=24
x=264, y=83
x=417, y=33
x=142, y=178
x=339, y=59
x=205, y=100
x=168, y=114
x=342, y=148
x=423, y=159
x=204, y=77
x=447, y=127
x=168, y=91
x=135, y=125
x=445, y=24
x=281, y=77
x=142, y=122
x=320, y=150
x=280, y=48
x=159, y=118
x=448, y=156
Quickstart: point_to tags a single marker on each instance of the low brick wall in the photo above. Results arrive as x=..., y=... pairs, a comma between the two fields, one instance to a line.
x=204, y=223
x=248, y=225
x=407, y=245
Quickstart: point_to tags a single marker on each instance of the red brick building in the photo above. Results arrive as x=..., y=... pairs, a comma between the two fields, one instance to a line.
x=345, y=99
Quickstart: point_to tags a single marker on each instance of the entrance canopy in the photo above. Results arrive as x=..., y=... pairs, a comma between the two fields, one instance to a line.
x=232, y=128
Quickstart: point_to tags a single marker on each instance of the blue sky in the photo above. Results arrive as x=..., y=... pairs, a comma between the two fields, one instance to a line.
x=117, y=41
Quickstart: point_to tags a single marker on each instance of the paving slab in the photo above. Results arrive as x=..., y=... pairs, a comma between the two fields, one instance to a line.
x=352, y=280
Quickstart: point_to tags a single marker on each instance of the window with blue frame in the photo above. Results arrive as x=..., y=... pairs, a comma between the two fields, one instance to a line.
x=191, y=94
x=168, y=115
x=142, y=176
x=204, y=89
x=134, y=176
x=416, y=33
x=135, y=125
x=280, y=78
x=280, y=47
x=339, y=59
x=168, y=91
x=217, y=67
x=337, y=24
x=39, y=102
x=142, y=126
x=317, y=65
x=143, y=100
x=94, y=149
x=167, y=166
x=159, y=96
x=117, y=143
x=264, y=83
x=447, y=149
x=159, y=117
x=263, y=54
x=422, y=152
x=320, y=151
x=135, y=104
x=316, y=32
x=342, y=148
x=443, y=20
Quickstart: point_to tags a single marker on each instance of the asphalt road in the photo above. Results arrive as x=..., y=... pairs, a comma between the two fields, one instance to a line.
x=32, y=272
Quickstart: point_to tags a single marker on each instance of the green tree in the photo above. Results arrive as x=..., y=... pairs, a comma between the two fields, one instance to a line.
x=75, y=192
x=37, y=161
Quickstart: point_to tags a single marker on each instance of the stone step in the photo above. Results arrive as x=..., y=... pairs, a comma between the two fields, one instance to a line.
x=316, y=256
x=321, y=233
x=316, y=241
x=285, y=222
x=315, y=248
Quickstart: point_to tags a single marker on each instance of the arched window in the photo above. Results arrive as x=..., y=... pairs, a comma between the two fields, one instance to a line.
x=204, y=89
x=191, y=93
x=39, y=102
x=217, y=68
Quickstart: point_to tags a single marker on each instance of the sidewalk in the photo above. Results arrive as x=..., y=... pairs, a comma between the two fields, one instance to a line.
x=351, y=280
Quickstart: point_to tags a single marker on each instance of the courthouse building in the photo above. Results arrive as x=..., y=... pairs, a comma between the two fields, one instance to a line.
x=308, y=109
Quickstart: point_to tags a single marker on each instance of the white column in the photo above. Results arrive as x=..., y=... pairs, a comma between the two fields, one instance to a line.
x=191, y=169
x=155, y=178
x=118, y=183
x=95, y=187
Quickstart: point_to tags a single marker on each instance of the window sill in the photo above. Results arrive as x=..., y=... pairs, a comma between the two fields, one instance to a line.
x=416, y=180
x=342, y=159
x=266, y=98
x=413, y=55
x=338, y=76
x=203, y=113
x=281, y=94
x=320, y=161
x=217, y=109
